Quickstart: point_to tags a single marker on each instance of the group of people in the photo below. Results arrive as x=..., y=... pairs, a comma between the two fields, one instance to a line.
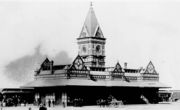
x=51, y=103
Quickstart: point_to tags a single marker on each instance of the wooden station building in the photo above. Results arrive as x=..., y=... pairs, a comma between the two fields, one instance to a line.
x=86, y=79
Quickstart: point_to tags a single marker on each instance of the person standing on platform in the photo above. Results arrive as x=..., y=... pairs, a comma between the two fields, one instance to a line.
x=49, y=103
x=53, y=102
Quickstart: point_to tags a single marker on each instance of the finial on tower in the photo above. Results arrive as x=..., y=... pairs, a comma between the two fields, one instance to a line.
x=91, y=4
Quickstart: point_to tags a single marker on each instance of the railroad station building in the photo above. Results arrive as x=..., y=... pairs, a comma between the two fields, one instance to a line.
x=87, y=79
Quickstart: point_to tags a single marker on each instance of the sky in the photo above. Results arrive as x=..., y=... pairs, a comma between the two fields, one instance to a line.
x=137, y=32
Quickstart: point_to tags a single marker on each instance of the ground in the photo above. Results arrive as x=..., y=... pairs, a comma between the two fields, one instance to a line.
x=171, y=106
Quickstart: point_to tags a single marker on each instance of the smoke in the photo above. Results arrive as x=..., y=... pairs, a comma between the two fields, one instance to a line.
x=22, y=69
x=62, y=58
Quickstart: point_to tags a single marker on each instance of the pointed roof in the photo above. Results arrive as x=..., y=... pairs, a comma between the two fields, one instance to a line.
x=118, y=68
x=78, y=64
x=91, y=27
x=45, y=62
x=150, y=68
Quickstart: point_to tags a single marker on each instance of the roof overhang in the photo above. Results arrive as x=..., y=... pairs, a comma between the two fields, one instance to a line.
x=88, y=82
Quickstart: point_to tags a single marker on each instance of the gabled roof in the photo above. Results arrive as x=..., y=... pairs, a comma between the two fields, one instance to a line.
x=78, y=64
x=118, y=68
x=91, y=27
x=45, y=62
x=150, y=68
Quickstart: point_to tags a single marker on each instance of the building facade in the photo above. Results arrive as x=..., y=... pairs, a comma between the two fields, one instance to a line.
x=86, y=80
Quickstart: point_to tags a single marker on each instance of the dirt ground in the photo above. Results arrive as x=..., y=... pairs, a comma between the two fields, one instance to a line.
x=171, y=106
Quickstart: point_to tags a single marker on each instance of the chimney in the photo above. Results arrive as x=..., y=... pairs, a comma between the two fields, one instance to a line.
x=125, y=65
x=51, y=67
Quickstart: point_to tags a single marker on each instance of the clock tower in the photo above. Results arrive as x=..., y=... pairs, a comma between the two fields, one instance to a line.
x=91, y=43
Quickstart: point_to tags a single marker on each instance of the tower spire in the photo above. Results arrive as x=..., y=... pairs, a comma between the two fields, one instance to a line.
x=91, y=26
x=92, y=42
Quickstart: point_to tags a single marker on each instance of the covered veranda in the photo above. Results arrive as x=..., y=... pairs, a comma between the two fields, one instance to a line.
x=89, y=92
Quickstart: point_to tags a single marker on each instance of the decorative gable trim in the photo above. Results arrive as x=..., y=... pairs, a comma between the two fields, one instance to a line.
x=78, y=69
x=78, y=64
x=150, y=69
x=118, y=68
x=118, y=73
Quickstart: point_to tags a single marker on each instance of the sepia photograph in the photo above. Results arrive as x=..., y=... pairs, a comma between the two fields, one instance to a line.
x=89, y=54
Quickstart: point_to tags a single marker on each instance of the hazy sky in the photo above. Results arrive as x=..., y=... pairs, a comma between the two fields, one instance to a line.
x=136, y=33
